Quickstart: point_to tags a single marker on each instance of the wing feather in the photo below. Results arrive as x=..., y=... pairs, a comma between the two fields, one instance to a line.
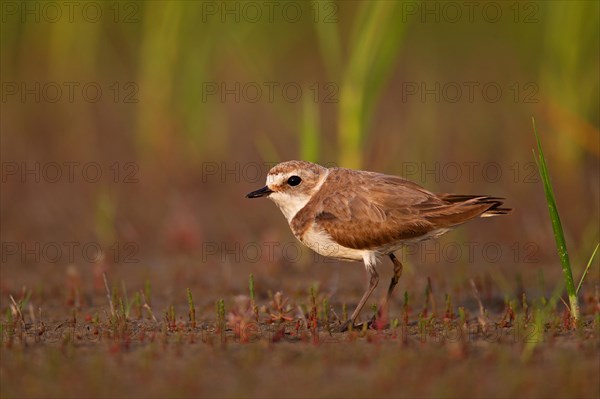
x=367, y=210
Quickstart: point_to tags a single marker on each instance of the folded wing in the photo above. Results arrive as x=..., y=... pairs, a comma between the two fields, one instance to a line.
x=365, y=210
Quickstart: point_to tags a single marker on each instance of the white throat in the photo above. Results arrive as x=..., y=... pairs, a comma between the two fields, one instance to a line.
x=291, y=204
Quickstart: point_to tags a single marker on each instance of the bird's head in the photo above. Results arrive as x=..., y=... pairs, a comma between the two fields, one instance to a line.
x=291, y=184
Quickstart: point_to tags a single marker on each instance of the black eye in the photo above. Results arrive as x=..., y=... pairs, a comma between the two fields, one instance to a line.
x=294, y=180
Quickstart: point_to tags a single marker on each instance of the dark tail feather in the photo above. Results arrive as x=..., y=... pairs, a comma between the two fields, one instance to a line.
x=495, y=203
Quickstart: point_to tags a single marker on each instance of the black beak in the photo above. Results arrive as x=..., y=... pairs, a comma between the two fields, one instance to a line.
x=263, y=192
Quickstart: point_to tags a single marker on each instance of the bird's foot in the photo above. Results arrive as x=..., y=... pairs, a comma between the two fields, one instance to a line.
x=345, y=326
x=348, y=325
x=378, y=323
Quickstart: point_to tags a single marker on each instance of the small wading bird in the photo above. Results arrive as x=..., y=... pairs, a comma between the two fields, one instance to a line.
x=355, y=215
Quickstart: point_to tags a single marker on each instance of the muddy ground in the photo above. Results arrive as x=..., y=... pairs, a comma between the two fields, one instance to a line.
x=69, y=340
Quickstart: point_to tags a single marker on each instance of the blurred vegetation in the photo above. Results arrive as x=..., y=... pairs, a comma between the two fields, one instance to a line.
x=171, y=50
x=198, y=99
x=179, y=83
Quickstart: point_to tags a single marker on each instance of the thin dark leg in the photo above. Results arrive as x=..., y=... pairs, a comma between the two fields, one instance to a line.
x=373, y=280
x=395, y=277
x=393, y=283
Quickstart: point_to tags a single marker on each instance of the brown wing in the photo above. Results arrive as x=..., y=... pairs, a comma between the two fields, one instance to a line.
x=366, y=210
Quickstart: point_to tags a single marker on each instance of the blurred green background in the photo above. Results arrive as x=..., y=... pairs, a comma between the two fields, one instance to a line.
x=183, y=106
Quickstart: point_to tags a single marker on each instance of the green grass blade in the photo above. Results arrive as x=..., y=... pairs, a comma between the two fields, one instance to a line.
x=329, y=40
x=559, y=235
x=375, y=41
x=587, y=268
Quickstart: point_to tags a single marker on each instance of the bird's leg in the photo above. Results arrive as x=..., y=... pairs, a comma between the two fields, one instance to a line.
x=395, y=277
x=393, y=283
x=373, y=280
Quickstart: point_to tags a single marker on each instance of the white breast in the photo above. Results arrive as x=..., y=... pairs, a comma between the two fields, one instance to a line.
x=289, y=205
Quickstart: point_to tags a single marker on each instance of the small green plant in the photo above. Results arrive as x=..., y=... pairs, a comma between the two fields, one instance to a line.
x=313, y=315
x=170, y=318
x=312, y=320
x=252, y=296
x=537, y=334
x=125, y=304
x=122, y=308
x=108, y=295
x=136, y=305
x=462, y=315
x=559, y=235
x=192, y=309
x=449, y=314
x=525, y=308
x=251, y=287
x=17, y=309
x=147, y=307
x=9, y=316
x=429, y=299
x=509, y=314
x=220, y=309
x=148, y=292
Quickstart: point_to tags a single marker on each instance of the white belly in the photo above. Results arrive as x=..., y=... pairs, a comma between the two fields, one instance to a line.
x=320, y=242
